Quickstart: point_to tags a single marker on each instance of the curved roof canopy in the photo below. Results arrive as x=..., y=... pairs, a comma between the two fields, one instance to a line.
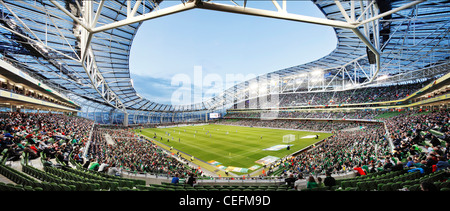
x=82, y=48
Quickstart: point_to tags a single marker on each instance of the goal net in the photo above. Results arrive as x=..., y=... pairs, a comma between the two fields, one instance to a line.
x=288, y=138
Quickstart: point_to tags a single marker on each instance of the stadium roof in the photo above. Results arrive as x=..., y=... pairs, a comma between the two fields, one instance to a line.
x=82, y=48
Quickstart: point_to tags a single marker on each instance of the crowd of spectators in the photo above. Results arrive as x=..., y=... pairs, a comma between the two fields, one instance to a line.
x=327, y=98
x=130, y=152
x=319, y=114
x=420, y=142
x=340, y=152
x=362, y=95
x=62, y=137
x=54, y=135
x=422, y=138
x=308, y=125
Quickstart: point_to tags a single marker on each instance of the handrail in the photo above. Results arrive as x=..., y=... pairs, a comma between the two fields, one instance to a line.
x=86, y=147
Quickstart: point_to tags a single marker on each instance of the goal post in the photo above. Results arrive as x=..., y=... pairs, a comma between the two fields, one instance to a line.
x=288, y=138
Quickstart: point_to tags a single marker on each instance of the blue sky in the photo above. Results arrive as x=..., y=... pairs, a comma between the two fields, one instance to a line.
x=166, y=49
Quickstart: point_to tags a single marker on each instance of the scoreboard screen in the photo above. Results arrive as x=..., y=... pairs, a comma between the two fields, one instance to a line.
x=214, y=115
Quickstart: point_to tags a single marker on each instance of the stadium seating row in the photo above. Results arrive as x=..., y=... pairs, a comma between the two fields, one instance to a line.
x=390, y=181
x=183, y=187
x=380, y=181
x=56, y=179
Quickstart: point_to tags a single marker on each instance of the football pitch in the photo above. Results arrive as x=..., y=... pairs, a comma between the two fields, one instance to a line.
x=240, y=150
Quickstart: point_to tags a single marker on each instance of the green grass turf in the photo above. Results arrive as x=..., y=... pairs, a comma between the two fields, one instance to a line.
x=241, y=147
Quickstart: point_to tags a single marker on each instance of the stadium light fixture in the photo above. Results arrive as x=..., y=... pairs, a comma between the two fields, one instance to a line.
x=41, y=46
x=303, y=75
x=273, y=82
x=253, y=86
x=316, y=72
x=316, y=80
x=382, y=77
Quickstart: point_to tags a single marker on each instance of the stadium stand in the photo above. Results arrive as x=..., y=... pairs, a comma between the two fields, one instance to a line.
x=69, y=111
x=134, y=153
x=18, y=88
x=54, y=136
x=356, y=96
x=416, y=157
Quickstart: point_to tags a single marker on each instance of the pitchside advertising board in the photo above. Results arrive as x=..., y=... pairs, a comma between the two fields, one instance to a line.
x=214, y=115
